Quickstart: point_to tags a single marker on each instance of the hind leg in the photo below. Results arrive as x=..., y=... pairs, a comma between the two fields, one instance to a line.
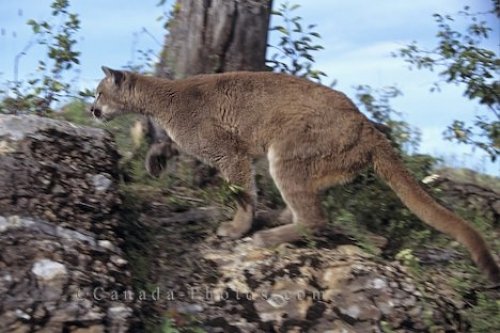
x=304, y=223
x=303, y=205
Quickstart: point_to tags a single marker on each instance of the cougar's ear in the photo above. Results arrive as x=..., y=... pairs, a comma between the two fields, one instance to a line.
x=106, y=70
x=116, y=76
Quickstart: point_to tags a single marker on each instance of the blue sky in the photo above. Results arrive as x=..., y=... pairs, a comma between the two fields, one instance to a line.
x=358, y=37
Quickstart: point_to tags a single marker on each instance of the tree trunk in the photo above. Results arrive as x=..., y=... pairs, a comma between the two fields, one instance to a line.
x=208, y=36
x=215, y=36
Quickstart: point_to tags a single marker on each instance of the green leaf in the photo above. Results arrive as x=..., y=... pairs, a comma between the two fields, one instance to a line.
x=34, y=26
x=282, y=30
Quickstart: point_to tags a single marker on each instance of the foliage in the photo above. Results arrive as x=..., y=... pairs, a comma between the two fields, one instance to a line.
x=367, y=205
x=294, y=51
x=75, y=112
x=139, y=249
x=461, y=59
x=39, y=94
x=408, y=259
x=484, y=316
x=481, y=306
x=168, y=11
x=347, y=222
x=168, y=327
x=376, y=103
x=142, y=61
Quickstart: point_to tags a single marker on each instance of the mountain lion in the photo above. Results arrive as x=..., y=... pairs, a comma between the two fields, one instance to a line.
x=314, y=137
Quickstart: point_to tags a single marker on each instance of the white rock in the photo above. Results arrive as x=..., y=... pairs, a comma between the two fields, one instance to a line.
x=3, y=224
x=353, y=311
x=101, y=181
x=377, y=283
x=106, y=244
x=13, y=222
x=23, y=315
x=5, y=148
x=7, y=278
x=119, y=312
x=189, y=308
x=118, y=261
x=46, y=269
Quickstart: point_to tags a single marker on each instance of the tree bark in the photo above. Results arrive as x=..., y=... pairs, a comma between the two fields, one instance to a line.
x=208, y=36
x=215, y=36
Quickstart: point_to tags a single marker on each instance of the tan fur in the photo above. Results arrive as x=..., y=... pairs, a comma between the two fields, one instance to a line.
x=314, y=137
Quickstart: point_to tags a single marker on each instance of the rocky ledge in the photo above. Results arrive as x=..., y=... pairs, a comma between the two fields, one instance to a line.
x=58, y=221
x=236, y=287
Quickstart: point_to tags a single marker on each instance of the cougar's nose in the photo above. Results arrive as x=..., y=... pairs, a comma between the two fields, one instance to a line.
x=95, y=111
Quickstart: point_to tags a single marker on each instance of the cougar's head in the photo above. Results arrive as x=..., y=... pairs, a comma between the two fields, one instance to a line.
x=111, y=94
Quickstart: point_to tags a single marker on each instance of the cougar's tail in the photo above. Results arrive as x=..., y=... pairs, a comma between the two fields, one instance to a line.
x=390, y=168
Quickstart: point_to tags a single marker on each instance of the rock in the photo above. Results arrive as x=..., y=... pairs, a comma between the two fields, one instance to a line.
x=47, y=270
x=59, y=212
x=91, y=329
x=341, y=327
x=469, y=193
x=51, y=277
x=118, y=261
x=290, y=288
x=118, y=317
x=317, y=290
x=101, y=182
x=106, y=244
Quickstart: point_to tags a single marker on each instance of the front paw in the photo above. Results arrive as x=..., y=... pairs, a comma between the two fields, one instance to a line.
x=228, y=229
